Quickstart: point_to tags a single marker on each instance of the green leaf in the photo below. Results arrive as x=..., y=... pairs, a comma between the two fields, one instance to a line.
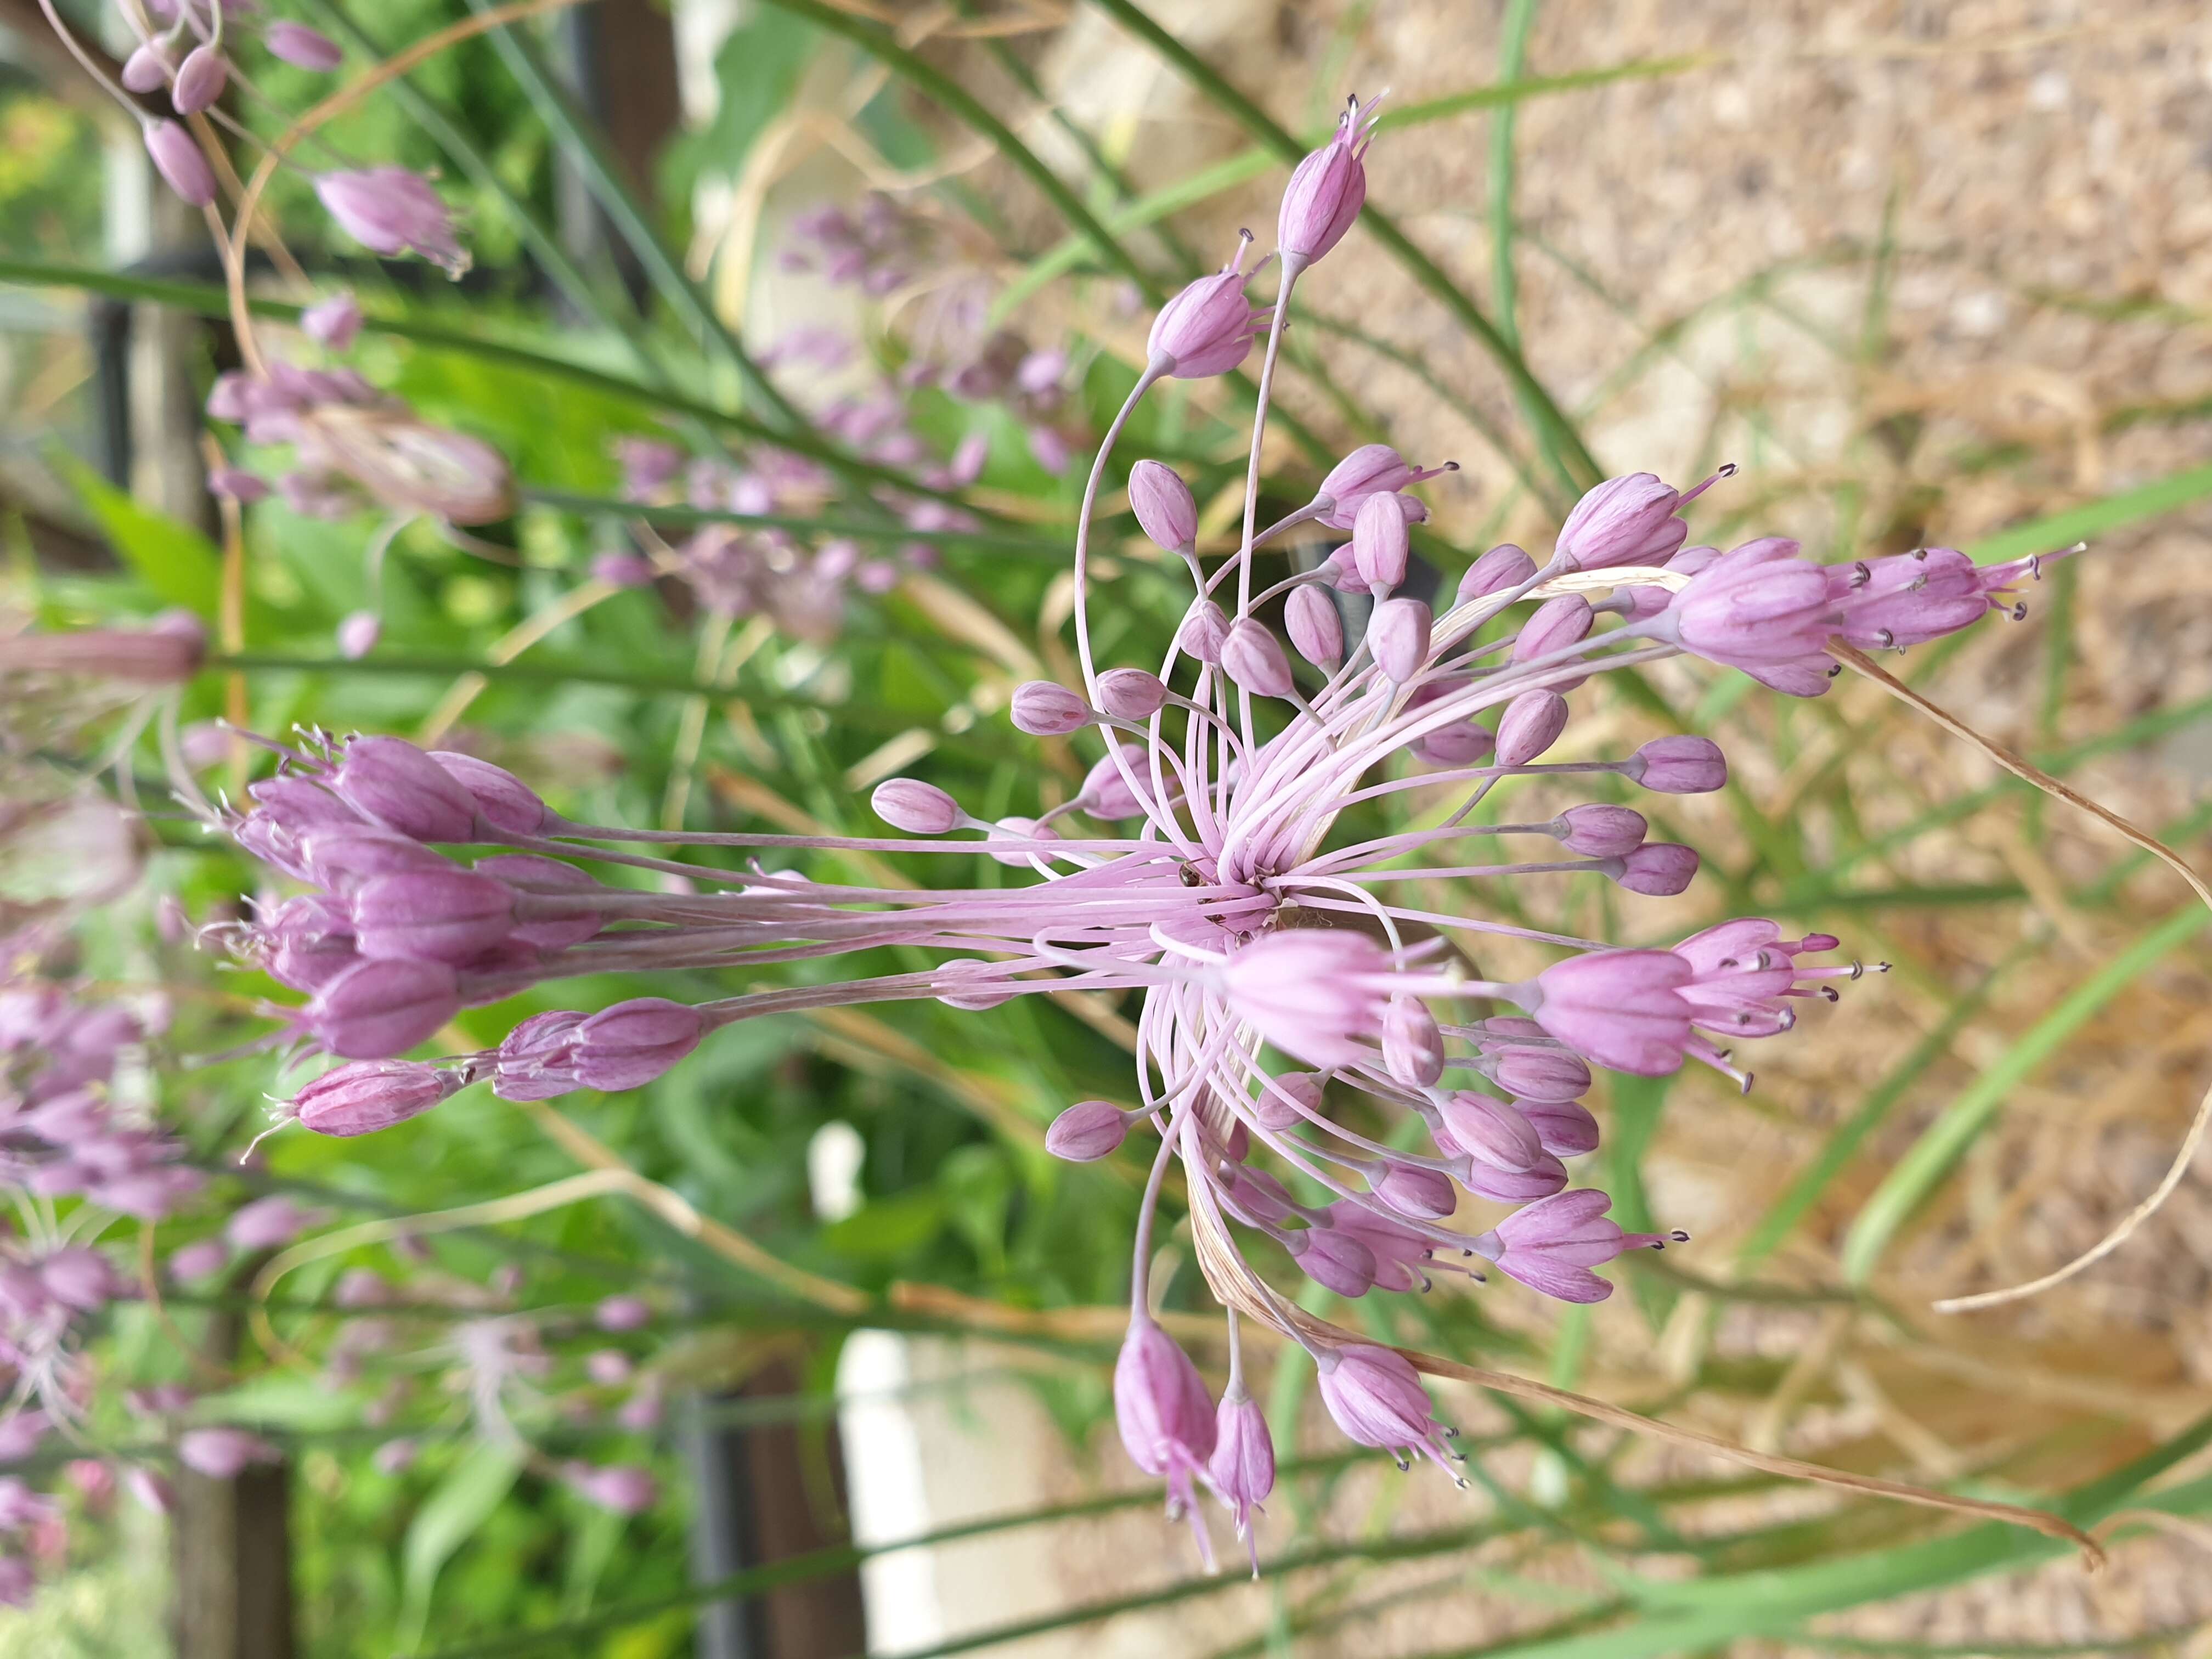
x=1939, y=1145
x=173, y=558
x=465, y=1500
x=889, y=1228
x=2097, y=518
x=757, y=70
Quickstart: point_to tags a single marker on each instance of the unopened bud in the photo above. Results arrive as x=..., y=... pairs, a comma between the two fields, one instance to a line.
x=1087, y=1131
x=1163, y=506
x=368, y=1095
x=1044, y=709
x=1315, y=627
x=1254, y=659
x=916, y=807
x=1531, y=723
x=1398, y=633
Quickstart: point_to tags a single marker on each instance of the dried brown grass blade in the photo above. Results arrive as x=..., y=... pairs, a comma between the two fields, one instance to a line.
x=2201, y=1122
x=1234, y=1287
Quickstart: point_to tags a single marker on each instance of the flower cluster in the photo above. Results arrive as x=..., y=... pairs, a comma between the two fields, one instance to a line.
x=353, y=446
x=1288, y=998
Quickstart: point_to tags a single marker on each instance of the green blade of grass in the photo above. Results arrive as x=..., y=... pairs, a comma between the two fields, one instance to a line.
x=588, y=151
x=1917, y=1173
x=1843, y=1145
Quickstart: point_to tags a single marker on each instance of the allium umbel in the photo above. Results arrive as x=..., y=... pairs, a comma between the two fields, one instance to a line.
x=1218, y=869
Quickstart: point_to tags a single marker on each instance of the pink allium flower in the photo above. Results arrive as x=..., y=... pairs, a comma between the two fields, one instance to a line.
x=180, y=162
x=1087, y=1131
x=1376, y=1400
x=307, y=48
x=1327, y=190
x=1208, y=328
x=390, y=210
x=1552, y=1245
x=1165, y=1413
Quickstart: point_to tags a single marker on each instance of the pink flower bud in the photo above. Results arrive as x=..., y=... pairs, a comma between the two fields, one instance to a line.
x=1552, y=1245
x=622, y=1489
x=1679, y=766
x=236, y=484
x=368, y=1095
x=1315, y=629
x=362, y=1287
x=392, y=781
x=1557, y=624
x=223, y=1454
x=1370, y=469
x=1424, y=1194
x=1253, y=658
x=1598, y=831
x=267, y=1223
x=79, y=1277
x=1531, y=723
x=505, y=801
x=432, y=915
x=1274, y=1111
x=343, y=856
x=537, y=1059
x=177, y=157
x=623, y=1313
x=304, y=47
x=1504, y=567
x=1381, y=547
x=1658, y=869
x=552, y=925
x=1163, y=506
x=1242, y=1466
x=607, y=1367
x=631, y=1044
x=1046, y=710
x=1628, y=520
x=144, y=71
x=379, y=1010
x=1162, y=1409
x=916, y=807
x=1313, y=992
x=1398, y=634
x=198, y=1261
x=1208, y=328
x=334, y=323
x=1910, y=598
x=1751, y=612
x=1087, y=1131
x=1131, y=694
x=1413, y=1047
x=1333, y=1260
x=200, y=80
x=390, y=210
x=1106, y=794
x=1530, y=1073
x=1623, y=1009
x=998, y=838
x=1204, y=631
x=1327, y=190
x=624, y=569
x=1490, y=1130
x=1376, y=1400
x=396, y=1457
x=1565, y=1126
x=358, y=633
